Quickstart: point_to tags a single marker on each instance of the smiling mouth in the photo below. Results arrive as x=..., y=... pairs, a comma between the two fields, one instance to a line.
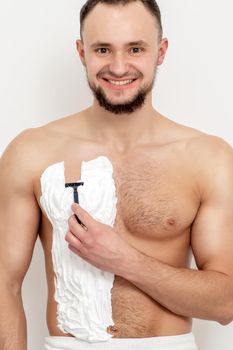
x=120, y=82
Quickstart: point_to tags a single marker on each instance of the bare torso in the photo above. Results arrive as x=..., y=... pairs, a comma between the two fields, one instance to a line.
x=157, y=203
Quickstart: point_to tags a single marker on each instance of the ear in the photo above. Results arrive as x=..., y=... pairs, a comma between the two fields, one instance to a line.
x=163, y=46
x=80, y=49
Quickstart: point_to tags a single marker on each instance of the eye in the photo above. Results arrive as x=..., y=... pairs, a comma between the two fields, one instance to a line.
x=136, y=50
x=102, y=51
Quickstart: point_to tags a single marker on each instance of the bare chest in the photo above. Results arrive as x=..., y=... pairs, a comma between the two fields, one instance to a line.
x=155, y=194
x=156, y=200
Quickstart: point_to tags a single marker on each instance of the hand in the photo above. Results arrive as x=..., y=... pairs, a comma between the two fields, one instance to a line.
x=97, y=243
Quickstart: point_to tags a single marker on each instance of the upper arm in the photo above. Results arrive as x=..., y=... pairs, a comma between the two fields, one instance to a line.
x=19, y=214
x=212, y=230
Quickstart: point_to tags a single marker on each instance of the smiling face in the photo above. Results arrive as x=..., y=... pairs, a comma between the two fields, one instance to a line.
x=121, y=51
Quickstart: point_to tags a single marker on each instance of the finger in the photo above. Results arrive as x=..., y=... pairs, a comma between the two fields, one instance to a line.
x=75, y=245
x=83, y=215
x=72, y=222
x=80, y=222
x=76, y=229
x=73, y=240
x=80, y=252
x=76, y=251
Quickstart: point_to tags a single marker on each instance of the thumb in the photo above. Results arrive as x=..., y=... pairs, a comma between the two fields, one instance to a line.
x=82, y=215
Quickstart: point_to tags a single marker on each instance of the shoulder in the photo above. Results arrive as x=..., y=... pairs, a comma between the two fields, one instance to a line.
x=212, y=162
x=19, y=160
x=210, y=150
x=25, y=145
x=209, y=157
x=30, y=152
x=200, y=145
x=21, y=144
x=209, y=153
x=34, y=144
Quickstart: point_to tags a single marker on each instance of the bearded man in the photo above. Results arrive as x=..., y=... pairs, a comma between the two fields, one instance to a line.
x=120, y=195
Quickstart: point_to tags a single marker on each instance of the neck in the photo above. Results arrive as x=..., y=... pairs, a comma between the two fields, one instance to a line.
x=124, y=131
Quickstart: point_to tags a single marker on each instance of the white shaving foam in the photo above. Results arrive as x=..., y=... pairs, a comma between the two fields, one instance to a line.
x=82, y=291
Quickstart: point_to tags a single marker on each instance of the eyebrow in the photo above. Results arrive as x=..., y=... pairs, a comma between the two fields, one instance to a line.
x=132, y=43
x=138, y=43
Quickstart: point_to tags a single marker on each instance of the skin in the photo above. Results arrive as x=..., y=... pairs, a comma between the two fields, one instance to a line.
x=174, y=188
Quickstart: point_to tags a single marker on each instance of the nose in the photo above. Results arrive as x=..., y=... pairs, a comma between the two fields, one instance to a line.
x=119, y=65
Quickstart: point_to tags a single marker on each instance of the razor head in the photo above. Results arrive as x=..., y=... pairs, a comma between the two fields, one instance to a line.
x=74, y=184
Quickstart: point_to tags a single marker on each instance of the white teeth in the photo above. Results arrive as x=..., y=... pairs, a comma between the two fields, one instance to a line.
x=123, y=82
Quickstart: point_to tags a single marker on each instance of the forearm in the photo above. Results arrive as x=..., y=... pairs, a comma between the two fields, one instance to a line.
x=186, y=292
x=12, y=322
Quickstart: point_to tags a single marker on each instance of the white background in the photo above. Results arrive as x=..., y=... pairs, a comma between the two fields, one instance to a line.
x=42, y=79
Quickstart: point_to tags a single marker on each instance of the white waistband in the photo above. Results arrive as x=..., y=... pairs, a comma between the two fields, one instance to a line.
x=174, y=342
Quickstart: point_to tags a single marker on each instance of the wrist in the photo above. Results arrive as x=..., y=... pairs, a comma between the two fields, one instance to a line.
x=130, y=263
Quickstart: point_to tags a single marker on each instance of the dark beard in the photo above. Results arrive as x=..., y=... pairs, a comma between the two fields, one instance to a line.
x=127, y=107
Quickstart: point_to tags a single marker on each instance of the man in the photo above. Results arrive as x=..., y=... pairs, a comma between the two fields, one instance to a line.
x=149, y=189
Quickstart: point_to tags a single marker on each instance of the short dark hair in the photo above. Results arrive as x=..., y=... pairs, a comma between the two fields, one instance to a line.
x=151, y=5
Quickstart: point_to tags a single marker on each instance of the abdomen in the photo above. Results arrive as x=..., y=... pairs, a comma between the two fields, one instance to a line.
x=137, y=315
